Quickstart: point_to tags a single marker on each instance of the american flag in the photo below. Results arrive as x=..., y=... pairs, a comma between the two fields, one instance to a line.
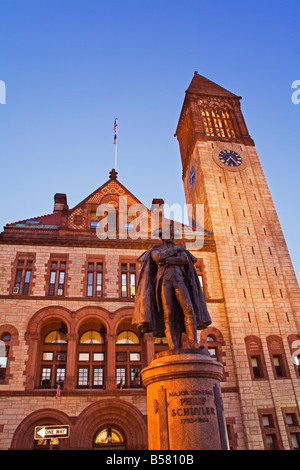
x=58, y=391
x=115, y=130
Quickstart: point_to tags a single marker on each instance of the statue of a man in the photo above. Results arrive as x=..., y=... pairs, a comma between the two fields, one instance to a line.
x=169, y=299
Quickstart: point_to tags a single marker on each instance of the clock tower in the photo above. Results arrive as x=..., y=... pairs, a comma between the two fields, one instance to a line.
x=259, y=316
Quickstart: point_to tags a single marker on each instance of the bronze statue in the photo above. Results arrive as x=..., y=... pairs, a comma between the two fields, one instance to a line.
x=169, y=299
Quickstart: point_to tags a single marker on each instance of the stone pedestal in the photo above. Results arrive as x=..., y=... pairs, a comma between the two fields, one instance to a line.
x=185, y=408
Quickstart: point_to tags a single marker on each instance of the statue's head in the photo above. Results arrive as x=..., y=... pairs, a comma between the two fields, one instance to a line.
x=166, y=232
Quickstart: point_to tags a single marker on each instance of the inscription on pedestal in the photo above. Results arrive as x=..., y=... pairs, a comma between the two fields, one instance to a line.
x=192, y=406
x=184, y=411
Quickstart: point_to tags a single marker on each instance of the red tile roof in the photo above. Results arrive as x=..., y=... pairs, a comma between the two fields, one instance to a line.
x=50, y=219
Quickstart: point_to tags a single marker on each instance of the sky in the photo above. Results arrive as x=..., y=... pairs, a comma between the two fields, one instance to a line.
x=70, y=67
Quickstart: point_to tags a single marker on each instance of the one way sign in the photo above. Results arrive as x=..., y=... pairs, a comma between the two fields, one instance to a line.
x=48, y=432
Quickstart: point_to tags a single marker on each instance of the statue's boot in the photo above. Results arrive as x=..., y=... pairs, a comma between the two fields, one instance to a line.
x=171, y=338
x=191, y=332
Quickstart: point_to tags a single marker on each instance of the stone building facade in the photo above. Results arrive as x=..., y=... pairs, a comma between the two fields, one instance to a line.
x=69, y=352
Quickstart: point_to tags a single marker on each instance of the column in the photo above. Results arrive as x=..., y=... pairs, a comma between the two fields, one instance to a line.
x=110, y=360
x=70, y=379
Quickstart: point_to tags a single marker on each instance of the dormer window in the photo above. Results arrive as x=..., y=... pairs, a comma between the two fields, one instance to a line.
x=94, y=224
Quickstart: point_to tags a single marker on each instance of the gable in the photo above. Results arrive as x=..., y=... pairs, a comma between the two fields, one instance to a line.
x=82, y=215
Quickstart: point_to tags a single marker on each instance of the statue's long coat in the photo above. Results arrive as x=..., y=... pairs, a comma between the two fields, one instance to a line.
x=148, y=310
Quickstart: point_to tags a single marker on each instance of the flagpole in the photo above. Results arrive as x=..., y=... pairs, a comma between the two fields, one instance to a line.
x=115, y=141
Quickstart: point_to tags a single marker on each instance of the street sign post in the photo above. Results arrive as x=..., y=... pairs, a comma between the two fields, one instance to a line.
x=49, y=432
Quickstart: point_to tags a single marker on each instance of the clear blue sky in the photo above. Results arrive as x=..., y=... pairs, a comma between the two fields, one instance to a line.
x=72, y=66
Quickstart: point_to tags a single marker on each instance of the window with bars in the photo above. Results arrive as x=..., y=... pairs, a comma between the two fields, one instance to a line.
x=217, y=122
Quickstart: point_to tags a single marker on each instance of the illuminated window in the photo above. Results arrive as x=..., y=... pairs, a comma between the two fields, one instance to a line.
x=55, y=336
x=110, y=437
x=128, y=280
x=128, y=360
x=207, y=122
x=217, y=123
x=91, y=355
x=91, y=337
x=47, y=444
x=228, y=124
x=53, y=358
x=127, y=337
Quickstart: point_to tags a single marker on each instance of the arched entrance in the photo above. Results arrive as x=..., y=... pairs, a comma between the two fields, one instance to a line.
x=113, y=422
x=23, y=438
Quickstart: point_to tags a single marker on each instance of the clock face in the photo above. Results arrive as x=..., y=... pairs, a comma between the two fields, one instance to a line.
x=192, y=177
x=230, y=158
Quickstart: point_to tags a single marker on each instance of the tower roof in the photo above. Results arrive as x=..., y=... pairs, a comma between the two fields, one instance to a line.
x=202, y=86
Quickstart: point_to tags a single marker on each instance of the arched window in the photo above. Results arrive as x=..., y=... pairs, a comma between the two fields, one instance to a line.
x=202, y=276
x=212, y=347
x=127, y=337
x=55, y=337
x=110, y=437
x=4, y=350
x=6, y=337
x=91, y=337
x=8, y=340
x=294, y=343
x=128, y=359
x=212, y=340
x=53, y=356
x=90, y=356
x=256, y=358
x=217, y=122
x=278, y=357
